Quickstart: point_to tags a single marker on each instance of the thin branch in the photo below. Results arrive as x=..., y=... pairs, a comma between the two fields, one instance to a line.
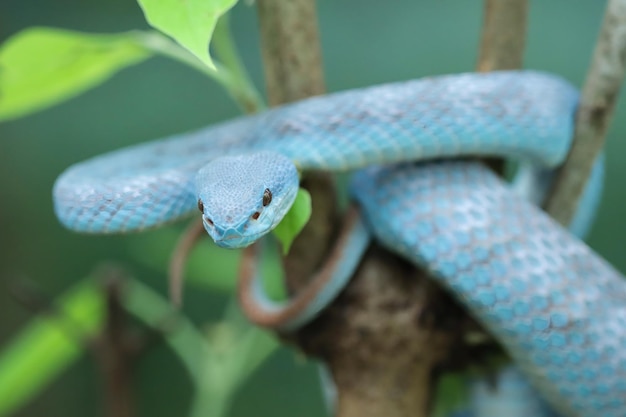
x=503, y=35
x=291, y=50
x=502, y=44
x=595, y=110
x=176, y=272
x=115, y=350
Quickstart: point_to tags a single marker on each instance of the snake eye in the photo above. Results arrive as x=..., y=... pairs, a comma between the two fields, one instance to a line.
x=256, y=215
x=267, y=197
x=200, y=206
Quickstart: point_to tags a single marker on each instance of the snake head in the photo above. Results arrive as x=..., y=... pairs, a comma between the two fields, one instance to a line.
x=244, y=197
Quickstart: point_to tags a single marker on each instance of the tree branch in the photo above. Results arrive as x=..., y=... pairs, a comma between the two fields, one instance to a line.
x=503, y=35
x=502, y=44
x=391, y=331
x=292, y=56
x=292, y=61
x=598, y=98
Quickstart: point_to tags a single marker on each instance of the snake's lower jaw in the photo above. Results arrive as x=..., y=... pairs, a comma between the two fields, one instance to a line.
x=230, y=238
x=228, y=241
x=234, y=242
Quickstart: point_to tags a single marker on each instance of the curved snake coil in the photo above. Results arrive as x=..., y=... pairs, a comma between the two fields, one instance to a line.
x=524, y=115
x=554, y=304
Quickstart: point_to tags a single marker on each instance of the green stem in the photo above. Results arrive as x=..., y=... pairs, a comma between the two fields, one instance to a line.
x=231, y=75
x=236, y=349
x=184, y=339
x=229, y=57
x=210, y=403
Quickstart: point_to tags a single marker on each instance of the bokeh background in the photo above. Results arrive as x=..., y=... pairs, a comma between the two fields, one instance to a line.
x=364, y=42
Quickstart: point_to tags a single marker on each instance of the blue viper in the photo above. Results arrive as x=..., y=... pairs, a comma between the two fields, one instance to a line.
x=557, y=307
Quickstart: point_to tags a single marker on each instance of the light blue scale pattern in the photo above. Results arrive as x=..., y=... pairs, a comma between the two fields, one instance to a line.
x=521, y=114
x=554, y=304
x=557, y=307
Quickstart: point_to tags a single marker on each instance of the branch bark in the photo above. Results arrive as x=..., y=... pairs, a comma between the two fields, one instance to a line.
x=503, y=35
x=387, y=338
x=292, y=56
x=598, y=98
x=502, y=44
x=115, y=350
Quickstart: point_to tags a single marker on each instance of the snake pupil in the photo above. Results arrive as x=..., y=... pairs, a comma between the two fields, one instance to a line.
x=200, y=206
x=267, y=197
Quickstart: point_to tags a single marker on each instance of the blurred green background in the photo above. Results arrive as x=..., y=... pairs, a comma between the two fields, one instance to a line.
x=364, y=42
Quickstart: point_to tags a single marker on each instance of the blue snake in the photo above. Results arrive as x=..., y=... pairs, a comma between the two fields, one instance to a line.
x=557, y=307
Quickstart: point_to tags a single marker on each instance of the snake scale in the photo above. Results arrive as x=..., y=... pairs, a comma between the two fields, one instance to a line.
x=556, y=306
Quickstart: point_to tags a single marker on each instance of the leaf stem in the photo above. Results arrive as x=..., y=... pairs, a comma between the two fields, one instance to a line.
x=230, y=74
x=245, y=93
x=149, y=307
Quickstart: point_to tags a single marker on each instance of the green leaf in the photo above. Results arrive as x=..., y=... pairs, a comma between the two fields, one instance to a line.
x=295, y=219
x=48, y=345
x=40, y=67
x=191, y=22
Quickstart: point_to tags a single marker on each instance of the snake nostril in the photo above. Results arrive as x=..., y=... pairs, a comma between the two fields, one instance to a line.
x=209, y=221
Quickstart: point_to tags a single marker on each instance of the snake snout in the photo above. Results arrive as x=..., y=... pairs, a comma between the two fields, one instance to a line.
x=229, y=238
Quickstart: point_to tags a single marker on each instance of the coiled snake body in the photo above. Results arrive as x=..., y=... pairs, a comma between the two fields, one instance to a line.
x=558, y=308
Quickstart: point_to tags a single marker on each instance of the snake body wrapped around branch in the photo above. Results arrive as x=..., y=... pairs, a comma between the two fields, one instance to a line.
x=558, y=308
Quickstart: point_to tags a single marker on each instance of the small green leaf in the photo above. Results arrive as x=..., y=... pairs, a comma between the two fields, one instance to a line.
x=40, y=67
x=48, y=345
x=191, y=22
x=295, y=219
